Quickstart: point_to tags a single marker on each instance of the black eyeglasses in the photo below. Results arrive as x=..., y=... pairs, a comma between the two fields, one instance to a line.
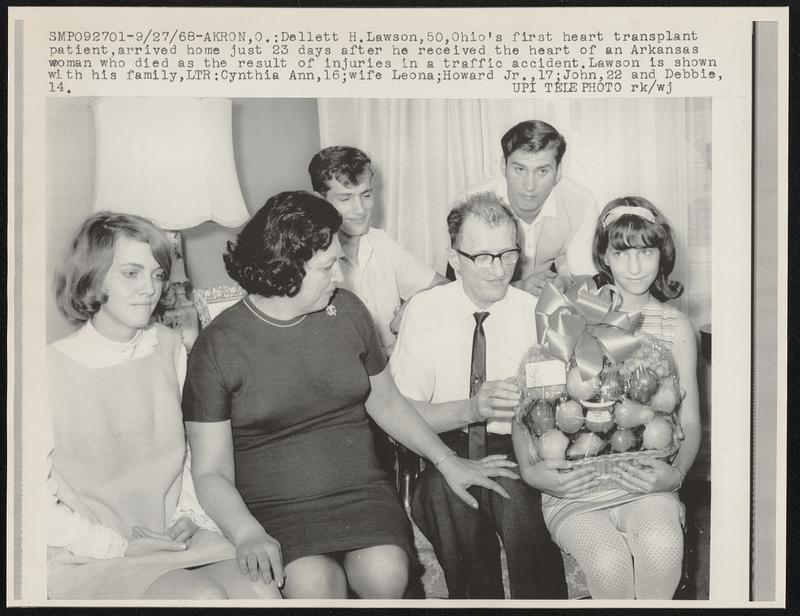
x=484, y=260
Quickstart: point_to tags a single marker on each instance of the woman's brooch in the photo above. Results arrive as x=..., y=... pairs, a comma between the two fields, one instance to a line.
x=331, y=310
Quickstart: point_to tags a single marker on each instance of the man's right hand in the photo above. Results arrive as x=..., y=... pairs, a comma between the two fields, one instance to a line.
x=534, y=283
x=495, y=400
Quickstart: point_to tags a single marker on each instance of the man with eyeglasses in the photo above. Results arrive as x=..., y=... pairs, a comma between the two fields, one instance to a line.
x=556, y=216
x=458, y=347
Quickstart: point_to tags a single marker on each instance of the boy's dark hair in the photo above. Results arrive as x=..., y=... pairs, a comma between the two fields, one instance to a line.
x=340, y=162
x=533, y=136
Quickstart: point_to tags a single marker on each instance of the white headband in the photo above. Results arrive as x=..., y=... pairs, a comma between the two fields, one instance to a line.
x=633, y=210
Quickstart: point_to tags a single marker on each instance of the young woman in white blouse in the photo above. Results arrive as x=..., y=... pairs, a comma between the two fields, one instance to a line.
x=123, y=522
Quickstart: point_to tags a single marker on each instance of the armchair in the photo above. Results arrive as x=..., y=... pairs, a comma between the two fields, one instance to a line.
x=210, y=301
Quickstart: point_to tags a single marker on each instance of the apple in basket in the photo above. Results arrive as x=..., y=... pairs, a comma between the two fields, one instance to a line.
x=642, y=384
x=657, y=434
x=552, y=445
x=623, y=440
x=569, y=416
x=543, y=416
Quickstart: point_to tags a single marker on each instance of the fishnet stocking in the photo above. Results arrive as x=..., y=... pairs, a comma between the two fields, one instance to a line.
x=601, y=551
x=633, y=550
x=652, y=527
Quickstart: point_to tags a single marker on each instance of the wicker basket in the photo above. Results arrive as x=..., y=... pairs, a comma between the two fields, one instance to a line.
x=606, y=464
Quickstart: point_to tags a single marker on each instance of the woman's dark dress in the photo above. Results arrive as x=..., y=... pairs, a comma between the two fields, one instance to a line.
x=304, y=454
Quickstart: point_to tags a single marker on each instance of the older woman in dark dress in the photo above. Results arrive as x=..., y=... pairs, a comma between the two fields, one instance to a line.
x=276, y=401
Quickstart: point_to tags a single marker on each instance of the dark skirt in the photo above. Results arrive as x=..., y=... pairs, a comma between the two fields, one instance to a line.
x=342, y=521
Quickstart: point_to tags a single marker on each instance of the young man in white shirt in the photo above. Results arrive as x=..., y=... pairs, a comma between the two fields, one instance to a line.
x=434, y=366
x=375, y=267
x=556, y=216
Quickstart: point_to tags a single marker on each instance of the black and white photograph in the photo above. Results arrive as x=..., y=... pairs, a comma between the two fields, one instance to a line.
x=443, y=350
x=394, y=170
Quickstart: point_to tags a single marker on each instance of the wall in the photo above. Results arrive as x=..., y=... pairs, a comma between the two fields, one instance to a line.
x=69, y=182
x=273, y=141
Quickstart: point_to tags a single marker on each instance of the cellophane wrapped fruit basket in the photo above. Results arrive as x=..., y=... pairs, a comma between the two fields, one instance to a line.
x=625, y=413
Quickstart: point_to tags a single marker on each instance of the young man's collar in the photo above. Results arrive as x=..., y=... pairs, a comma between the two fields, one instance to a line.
x=549, y=210
x=365, y=248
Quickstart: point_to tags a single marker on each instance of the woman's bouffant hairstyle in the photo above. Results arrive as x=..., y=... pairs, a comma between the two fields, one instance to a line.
x=271, y=252
x=632, y=231
x=79, y=279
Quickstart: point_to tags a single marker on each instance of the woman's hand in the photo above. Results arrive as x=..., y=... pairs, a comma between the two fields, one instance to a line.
x=648, y=475
x=259, y=555
x=183, y=529
x=559, y=478
x=146, y=541
x=676, y=421
x=460, y=474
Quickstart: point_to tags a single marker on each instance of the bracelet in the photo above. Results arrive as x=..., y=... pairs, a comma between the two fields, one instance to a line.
x=680, y=483
x=444, y=457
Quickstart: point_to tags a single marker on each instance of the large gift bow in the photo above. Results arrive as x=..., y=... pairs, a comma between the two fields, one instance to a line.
x=584, y=322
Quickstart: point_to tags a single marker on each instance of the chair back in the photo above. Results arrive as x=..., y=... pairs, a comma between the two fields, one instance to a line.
x=211, y=301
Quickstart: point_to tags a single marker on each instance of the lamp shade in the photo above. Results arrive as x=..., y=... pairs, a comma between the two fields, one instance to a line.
x=168, y=159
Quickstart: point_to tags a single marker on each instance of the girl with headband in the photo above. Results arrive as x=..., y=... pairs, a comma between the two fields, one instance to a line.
x=629, y=541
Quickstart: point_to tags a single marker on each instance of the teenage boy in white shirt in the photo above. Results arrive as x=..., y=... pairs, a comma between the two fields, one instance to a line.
x=376, y=268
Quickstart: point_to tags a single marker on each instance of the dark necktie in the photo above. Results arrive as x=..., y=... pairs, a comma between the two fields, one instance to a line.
x=477, y=431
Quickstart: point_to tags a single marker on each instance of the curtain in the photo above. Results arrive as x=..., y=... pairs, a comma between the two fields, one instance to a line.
x=426, y=151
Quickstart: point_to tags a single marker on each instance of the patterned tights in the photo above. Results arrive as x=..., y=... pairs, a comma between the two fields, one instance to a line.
x=630, y=551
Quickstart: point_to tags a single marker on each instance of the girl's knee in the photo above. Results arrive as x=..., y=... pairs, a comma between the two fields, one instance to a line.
x=248, y=589
x=268, y=591
x=658, y=557
x=609, y=574
x=660, y=542
x=183, y=584
x=208, y=590
x=608, y=563
x=238, y=585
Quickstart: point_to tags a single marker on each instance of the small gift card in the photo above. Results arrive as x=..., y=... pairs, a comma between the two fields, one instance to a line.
x=545, y=373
